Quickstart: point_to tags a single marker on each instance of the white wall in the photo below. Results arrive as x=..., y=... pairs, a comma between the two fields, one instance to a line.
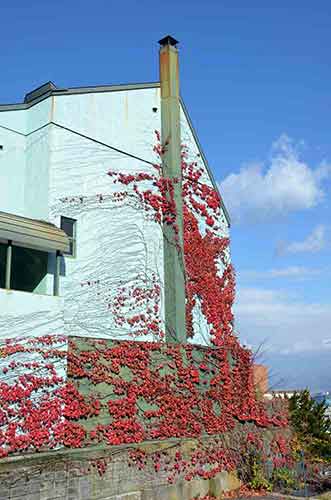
x=12, y=161
x=54, y=172
x=117, y=244
x=24, y=314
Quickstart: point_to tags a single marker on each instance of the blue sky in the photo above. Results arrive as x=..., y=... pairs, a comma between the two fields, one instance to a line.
x=256, y=79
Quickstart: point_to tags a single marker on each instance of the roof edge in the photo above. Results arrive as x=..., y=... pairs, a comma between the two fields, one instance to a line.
x=74, y=91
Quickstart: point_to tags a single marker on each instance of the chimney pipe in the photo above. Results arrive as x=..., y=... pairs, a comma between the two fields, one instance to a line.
x=174, y=264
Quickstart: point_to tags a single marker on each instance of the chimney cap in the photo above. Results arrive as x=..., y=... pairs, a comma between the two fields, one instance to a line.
x=168, y=40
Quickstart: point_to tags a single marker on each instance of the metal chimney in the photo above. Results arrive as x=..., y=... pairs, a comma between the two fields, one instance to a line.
x=174, y=264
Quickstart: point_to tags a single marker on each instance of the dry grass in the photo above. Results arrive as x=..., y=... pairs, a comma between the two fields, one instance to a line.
x=324, y=496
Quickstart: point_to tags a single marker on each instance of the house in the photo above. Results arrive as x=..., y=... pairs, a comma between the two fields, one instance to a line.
x=116, y=293
x=71, y=242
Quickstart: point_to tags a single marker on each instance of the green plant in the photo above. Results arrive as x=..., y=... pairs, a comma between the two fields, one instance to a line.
x=312, y=427
x=308, y=416
x=258, y=480
x=283, y=477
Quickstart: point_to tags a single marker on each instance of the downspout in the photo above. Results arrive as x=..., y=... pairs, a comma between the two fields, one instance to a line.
x=174, y=265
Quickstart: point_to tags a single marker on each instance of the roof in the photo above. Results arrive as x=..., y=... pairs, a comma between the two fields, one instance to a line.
x=49, y=89
x=32, y=233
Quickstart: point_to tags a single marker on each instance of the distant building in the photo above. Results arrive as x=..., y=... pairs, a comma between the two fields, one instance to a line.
x=283, y=394
x=260, y=376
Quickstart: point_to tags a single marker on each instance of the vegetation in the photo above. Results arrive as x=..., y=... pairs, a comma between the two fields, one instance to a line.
x=258, y=480
x=284, y=478
x=312, y=427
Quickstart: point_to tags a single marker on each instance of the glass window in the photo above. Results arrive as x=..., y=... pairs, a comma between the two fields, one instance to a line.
x=28, y=268
x=69, y=227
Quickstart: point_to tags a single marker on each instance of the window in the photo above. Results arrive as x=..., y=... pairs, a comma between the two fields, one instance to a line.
x=69, y=227
x=3, y=250
x=28, y=268
x=25, y=245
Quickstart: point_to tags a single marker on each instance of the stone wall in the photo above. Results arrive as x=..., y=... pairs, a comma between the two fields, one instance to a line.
x=77, y=475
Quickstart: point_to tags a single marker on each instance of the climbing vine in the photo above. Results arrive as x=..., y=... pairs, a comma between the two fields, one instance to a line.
x=77, y=392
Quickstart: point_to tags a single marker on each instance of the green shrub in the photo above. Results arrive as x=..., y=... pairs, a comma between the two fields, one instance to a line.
x=312, y=427
x=283, y=477
x=258, y=480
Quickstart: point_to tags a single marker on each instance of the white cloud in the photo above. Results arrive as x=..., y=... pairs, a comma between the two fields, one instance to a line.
x=294, y=272
x=288, y=184
x=315, y=242
x=285, y=324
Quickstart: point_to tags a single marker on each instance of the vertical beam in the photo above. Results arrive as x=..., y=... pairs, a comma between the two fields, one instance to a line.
x=174, y=266
x=9, y=254
x=56, y=288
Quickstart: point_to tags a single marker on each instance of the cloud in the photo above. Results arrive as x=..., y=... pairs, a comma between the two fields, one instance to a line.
x=287, y=185
x=315, y=242
x=287, y=325
x=293, y=272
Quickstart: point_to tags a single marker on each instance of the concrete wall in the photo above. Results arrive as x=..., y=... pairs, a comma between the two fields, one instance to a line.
x=260, y=377
x=130, y=246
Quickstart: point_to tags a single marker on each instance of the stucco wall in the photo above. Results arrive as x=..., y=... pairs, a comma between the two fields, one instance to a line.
x=24, y=161
x=38, y=141
x=117, y=243
x=12, y=161
x=27, y=314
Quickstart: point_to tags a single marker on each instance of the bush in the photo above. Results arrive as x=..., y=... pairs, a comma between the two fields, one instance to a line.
x=284, y=478
x=258, y=480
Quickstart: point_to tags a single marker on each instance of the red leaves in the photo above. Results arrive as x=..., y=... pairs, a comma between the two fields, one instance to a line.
x=216, y=292
x=122, y=408
x=69, y=434
x=75, y=405
x=139, y=307
x=125, y=430
x=167, y=390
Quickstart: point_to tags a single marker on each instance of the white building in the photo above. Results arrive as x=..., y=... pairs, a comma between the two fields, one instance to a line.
x=57, y=148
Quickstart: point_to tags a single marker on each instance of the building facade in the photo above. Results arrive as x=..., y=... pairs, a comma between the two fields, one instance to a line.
x=116, y=293
x=63, y=152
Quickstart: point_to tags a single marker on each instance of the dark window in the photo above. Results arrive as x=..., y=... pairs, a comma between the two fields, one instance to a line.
x=69, y=227
x=28, y=269
x=3, y=256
